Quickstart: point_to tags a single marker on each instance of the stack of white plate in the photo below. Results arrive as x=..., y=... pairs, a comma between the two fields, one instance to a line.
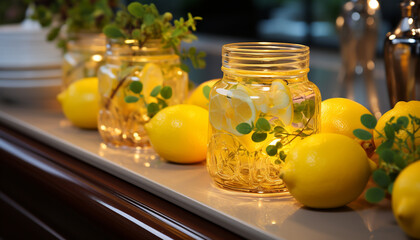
x=30, y=67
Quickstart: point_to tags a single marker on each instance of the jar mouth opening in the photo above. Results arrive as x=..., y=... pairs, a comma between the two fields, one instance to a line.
x=265, y=57
x=266, y=47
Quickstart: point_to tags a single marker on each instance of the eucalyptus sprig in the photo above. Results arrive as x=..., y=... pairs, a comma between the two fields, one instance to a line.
x=143, y=22
x=136, y=88
x=262, y=128
x=397, y=151
x=76, y=15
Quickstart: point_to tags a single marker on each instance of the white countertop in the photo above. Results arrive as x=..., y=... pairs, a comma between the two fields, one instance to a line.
x=253, y=216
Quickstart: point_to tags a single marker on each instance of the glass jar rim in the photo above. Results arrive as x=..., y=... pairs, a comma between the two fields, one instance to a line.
x=265, y=58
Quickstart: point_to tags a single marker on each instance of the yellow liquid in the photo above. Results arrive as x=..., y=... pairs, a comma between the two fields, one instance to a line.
x=120, y=123
x=235, y=161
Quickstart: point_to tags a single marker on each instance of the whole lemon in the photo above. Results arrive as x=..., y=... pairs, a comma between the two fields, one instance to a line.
x=401, y=109
x=80, y=102
x=406, y=199
x=342, y=116
x=326, y=170
x=197, y=96
x=179, y=133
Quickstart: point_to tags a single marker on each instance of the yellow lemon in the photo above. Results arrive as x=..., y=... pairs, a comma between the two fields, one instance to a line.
x=401, y=109
x=229, y=108
x=151, y=76
x=179, y=133
x=406, y=199
x=326, y=170
x=80, y=102
x=342, y=115
x=197, y=96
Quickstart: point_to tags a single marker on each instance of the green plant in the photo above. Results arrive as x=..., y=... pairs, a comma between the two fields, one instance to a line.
x=76, y=15
x=395, y=153
x=142, y=22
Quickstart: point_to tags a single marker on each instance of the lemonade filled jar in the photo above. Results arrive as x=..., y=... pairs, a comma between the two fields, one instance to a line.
x=263, y=105
x=135, y=83
x=85, y=54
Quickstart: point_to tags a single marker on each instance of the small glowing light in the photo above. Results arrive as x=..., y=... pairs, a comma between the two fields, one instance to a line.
x=124, y=136
x=146, y=164
x=259, y=204
x=359, y=69
x=153, y=157
x=355, y=16
x=370, y=65
x=117, y=131
x=392, y=37
x=373, y=4
x=129, y=41
x=339, y=22
x=412, y=3
x=179, y=72
x=273, y=222
x=136, y=136
x=266, y=89
x=348, y=6
x=103, y=128
x=103, y=146
x=410, y=21
x=97, y=58
x=138, y=148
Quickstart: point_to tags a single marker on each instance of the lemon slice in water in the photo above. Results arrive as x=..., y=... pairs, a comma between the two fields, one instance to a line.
x=231, y=107
x=151, y=77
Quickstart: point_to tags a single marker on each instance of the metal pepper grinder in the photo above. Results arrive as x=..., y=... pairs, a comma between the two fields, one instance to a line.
x=358, y=27
x=402, y=55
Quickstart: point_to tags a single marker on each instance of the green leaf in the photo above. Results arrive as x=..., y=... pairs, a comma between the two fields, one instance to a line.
x=368, y=121
x=403, y=121
x=244, y=128
x=206, y=92
x=374, y=195
x=112, y=31
x=136, y=34
x=136, y=9
x=282, y=155
x=389, y=131
x=149, y=19
x=263, y=124
x=390, y=187
x=279, y=145
x=387, y=155
x=271, y=150
x=155, y=91
x=279, y=129
x=152, y=109
x=131, y=99
x=136, y=87
x=387, y=144
x=166, y=92
x=277, y=162
x=362, y=134
x=381, y=178
x=53, y=33
x=258, y=136
x=184, y=67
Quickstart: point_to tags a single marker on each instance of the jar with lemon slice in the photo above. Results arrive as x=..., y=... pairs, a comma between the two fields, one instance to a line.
x=263, y=106
x=84, y=56
x=134, y=83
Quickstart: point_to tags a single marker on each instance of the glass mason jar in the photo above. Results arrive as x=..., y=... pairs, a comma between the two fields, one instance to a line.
x=131, y=85
x=263, y=105
x=83, y=57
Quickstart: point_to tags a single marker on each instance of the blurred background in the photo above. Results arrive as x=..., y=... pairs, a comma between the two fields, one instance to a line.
x=309, y=22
